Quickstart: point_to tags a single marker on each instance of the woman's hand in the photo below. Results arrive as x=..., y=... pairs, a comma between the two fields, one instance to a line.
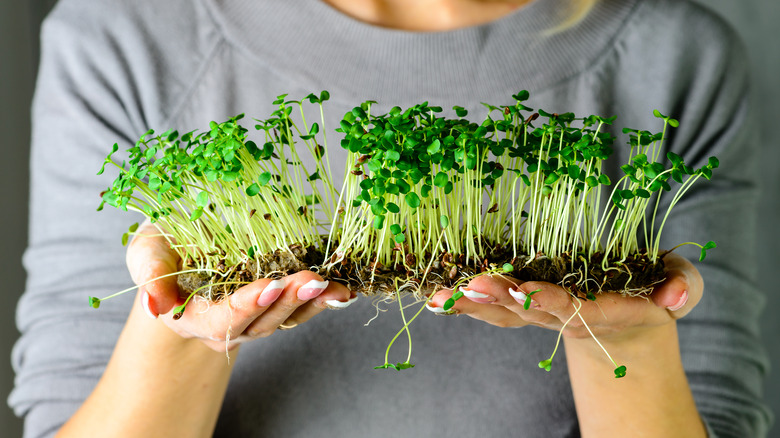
x=640, y=333
x=255, y=310
x=499, y=300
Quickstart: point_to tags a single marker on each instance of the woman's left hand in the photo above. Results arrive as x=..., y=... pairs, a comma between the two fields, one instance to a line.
x=499, y=300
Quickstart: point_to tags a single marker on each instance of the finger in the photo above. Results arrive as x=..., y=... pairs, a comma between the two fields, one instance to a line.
x=545, y=297
x=336, y=296
x=501, y=289
x=149, y=256
x=299, y=289
x=228, y=318
x=682, y=289
x=495, y=315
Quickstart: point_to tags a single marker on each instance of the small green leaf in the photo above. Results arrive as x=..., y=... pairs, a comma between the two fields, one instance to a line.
x=604, y=179
x=400, y=238
x=412, y=200
x=252, y=190
x=546, y=364
x=125, y=238
x=378, y=222
x=203, y=199
x=434, y=147
x=387, y=366
x=444, y=221
x=620, y=371
x=527, y=302
x=392, y=155
x=395, y=229
x=196, y=214
x=264, y=178
x=178, y=310
x=94, y=302
x=713, y=162
x=403, y=366
x=440, y=180
x=708, y=245
x=392, y=208
x=507, y=267
x=448, y=304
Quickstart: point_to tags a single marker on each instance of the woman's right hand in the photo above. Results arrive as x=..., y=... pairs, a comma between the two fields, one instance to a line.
x=253, y=311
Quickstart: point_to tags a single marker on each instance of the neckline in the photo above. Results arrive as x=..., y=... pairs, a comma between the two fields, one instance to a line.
x=318, y=47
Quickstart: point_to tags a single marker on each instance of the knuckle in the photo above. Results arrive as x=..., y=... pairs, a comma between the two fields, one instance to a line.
x=503, y=323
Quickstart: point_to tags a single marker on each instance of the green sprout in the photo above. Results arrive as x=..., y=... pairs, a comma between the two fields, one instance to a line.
x=428, y=201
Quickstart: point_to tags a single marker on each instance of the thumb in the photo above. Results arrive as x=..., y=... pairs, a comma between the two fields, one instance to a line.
x=149, y=256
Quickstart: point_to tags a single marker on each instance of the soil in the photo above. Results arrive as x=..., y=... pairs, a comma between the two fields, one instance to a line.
x=635, y=276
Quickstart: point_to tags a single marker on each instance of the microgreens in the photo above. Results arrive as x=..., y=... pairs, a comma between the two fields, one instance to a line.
x=426, y=199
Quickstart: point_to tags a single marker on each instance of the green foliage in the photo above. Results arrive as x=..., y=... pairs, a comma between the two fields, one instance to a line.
x=201, y=187
x=419, y=184
x=397, y=366
x=527, y=302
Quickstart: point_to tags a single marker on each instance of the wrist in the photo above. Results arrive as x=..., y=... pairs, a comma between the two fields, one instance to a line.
x=642, y=350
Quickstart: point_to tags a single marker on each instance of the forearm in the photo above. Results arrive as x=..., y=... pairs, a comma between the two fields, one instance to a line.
x=652, y=400
x=156, y=384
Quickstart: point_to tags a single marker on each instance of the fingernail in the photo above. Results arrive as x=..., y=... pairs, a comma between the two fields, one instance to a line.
x=145, y=300
x=439, y=310
x=434, y=309
x=521, y=298
x=311, y=290
x=475, y=296
x=518, y=295
x=680, y=303
x=336, y=304
x=270, y=293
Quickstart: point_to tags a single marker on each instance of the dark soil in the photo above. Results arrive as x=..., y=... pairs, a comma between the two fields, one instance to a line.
x=636, y=276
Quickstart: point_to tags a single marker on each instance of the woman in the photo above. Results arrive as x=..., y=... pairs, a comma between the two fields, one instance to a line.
x=110, y=71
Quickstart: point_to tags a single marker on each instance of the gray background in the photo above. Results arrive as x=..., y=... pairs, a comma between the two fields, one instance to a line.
x=757, y=21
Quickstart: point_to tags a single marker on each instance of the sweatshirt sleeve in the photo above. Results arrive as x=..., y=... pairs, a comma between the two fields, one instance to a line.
x=98, y=84
x=720, y=340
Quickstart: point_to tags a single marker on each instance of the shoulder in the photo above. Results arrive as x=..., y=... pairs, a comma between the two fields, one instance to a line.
x=141, y=51
x=684, y=32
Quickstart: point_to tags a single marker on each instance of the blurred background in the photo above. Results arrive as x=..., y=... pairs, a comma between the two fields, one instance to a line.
x=756, y=20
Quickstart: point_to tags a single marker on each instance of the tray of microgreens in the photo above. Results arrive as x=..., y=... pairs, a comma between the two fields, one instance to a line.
x=428, y=200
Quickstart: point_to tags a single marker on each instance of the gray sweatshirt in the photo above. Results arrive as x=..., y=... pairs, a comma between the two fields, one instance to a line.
x=112, y=69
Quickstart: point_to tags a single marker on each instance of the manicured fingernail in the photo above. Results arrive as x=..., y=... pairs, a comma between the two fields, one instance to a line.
x=518, y=295
x=475, y=296
x=521, y=298
x=435, y=309
x=311, y=290
x=440, y=310
x=680, y=303
x=145, y=300
x=336, y=304
x=270, y=293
